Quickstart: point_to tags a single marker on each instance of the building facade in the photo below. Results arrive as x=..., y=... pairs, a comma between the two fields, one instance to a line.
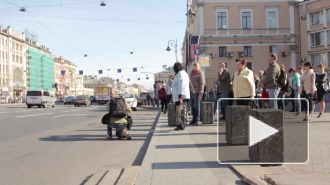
x=241, y=29
x=314, y=26
x=13, y=63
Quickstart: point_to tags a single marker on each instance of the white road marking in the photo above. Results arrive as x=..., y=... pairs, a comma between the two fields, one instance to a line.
x=34, y=115
x=68, y=115
x=70, y=110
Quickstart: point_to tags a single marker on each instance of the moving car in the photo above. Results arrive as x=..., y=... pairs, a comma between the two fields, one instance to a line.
x=69, y=100
x=82, y=100
x=131, y=99
x=60, y=100
x=40, y=98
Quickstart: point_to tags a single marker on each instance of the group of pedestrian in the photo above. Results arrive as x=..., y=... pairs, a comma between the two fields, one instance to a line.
x=273, y=85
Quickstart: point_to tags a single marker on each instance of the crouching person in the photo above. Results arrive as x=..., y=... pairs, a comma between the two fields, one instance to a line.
x=118, y=109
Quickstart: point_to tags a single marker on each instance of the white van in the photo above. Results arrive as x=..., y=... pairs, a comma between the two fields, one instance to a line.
x=39, y=98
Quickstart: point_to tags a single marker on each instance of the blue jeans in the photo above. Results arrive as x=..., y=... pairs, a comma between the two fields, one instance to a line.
x=297, y=102
x=109, y=131
x=216, y=102
x=224, y=103
x=273, y=93
x=197, y=108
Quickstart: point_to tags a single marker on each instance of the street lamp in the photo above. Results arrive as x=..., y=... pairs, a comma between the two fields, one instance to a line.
x=171, y=43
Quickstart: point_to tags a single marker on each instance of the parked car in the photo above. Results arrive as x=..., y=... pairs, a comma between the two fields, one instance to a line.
x=60, y=100
x=131, y=99
x=82, y=100
x=40, y=98
x=69, y=100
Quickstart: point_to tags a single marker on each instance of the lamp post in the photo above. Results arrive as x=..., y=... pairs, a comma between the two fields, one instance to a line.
x=170, y=43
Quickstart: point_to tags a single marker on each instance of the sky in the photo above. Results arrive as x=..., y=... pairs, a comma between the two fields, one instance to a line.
x=106, y=34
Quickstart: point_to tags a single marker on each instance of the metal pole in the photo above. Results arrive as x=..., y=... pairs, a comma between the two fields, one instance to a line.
x=187, y=38
x=176, y=49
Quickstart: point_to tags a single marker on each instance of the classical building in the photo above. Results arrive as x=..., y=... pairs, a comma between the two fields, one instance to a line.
x=13, y=64
x=225, y=30
x=59, y=78
x=314, y=28
x=70, y=78
x=163, y=76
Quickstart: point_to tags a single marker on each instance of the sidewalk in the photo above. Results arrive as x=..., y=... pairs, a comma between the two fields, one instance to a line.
x=184, y=157
x=189, y=157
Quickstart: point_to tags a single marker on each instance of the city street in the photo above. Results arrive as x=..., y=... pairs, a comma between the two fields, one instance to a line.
x=66, y=144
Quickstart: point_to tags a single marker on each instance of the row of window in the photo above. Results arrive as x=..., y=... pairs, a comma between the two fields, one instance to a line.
x=318, y=39
x=247, y=51
x=247, y=19
x=316, y=18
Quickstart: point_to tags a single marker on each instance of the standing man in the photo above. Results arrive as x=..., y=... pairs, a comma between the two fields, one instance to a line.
x=169, y=90
x=198, y=83
x=271, y=79
x=224, y=88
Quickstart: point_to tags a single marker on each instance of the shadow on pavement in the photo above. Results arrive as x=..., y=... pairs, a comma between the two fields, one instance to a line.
x=186, y=146
x=69, y=138
x=187, y=165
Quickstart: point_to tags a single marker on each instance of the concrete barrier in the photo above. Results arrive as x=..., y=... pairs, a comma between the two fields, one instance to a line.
x=207, y=112
x=171, y=114
x=270, y=149
x=237, y=125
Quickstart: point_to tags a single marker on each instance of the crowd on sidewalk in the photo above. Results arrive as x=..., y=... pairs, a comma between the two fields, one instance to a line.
x=247, y=87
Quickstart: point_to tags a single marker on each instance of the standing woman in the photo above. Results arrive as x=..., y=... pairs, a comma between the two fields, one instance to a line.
x=181, y=92
x=321, y=79
x=308, y=80
x=243, y=84
x=295, y=87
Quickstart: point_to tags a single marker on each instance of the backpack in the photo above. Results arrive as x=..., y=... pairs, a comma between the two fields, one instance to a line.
x=118, y=107
x=282, y=79
x=288, y=86
x=161, y=93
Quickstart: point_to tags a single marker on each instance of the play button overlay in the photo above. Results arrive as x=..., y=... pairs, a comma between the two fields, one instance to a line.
x=261, y=136
x=259, y=131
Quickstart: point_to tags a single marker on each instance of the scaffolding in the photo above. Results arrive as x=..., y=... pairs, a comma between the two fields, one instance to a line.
x=41, y=70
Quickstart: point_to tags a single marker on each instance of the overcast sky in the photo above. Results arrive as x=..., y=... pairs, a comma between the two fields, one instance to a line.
x=107, y=34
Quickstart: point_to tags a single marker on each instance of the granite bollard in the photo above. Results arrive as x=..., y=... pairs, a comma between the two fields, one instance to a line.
x=207, y=113
x=237, y=125
x=270, y=149
x=171, y=114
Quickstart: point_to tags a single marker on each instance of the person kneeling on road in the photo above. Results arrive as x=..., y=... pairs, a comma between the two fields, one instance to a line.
x=118, y=109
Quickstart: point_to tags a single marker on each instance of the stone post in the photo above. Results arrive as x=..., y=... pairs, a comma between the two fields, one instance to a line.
x=207, y=112
x=171, y=114
x=270, y=149
x=237, y=125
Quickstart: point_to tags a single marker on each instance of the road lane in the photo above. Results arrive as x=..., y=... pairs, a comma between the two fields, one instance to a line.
x=72, y=150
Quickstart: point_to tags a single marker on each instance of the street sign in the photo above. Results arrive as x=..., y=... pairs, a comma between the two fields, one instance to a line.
x=62, y=72
x=134, y=69
x=204, y=61
x=119, y=70
x=81, y=72
x=100, y=71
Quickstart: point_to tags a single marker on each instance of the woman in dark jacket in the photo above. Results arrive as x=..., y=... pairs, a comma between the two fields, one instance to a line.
x=320, y=80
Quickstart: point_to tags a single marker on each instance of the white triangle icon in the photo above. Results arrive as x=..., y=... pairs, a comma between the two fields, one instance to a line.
x=259, y=131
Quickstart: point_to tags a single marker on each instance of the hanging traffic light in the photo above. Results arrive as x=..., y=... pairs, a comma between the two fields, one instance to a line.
x=119, y=70
x=134, y=69
x=81, y=72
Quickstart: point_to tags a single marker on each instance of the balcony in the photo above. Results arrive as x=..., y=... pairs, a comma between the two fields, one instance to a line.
x=248, y=33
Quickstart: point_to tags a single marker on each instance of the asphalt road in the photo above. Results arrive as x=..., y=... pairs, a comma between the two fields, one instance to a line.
x=66, y=144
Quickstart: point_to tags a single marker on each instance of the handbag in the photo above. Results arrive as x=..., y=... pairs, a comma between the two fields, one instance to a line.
x=129, y=122
x=326, y=86
x=106, y=119
x=180, y=114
